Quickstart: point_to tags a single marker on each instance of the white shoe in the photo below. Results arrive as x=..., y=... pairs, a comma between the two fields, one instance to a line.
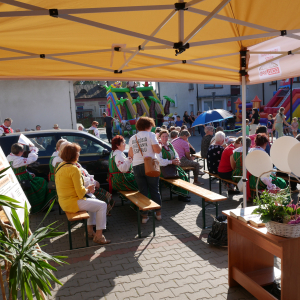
x=158, y=217
x=145, y=220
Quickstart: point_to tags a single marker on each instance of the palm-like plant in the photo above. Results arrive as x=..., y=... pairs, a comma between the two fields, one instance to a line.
x=152, y=106
x=167, y=105
x=123, y=108
x=27, y=269
x=137, y=102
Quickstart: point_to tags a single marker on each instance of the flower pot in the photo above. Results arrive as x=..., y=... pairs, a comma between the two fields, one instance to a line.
x=284, y=230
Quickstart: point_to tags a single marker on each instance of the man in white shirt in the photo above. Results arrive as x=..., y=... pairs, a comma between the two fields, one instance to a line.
x=95, y=129
x=5, y=127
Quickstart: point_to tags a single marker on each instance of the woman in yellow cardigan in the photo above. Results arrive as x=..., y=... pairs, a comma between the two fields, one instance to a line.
x=74, y=197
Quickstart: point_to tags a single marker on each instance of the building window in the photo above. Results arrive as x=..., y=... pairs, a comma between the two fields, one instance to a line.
x=191, y=86
x=273, y=82
x=296, y=79
x=102, y=110
x=213, y=86
x=235, y=90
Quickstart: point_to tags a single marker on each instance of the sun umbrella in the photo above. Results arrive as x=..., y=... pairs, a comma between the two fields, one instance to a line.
x=210, y=116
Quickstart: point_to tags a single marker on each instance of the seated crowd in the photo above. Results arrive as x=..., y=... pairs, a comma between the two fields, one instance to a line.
x=225, y=158
x=77, y=190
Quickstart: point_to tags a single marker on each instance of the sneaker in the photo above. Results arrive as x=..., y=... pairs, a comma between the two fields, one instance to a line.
x=145, y=220
x=183, y=199
x=233, y=192
x=158, y=217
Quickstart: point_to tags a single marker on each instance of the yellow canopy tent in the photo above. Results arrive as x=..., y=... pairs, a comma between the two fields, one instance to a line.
x=198, y=41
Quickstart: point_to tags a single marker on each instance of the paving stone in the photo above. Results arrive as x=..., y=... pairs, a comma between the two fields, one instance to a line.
x=111, y=296
x=198, y=295
x=218, y=281
x=113, y=269
x=171, y=276
x=204, y=270
x=152, y=280
x=79, y=289
x=133, y=284
x=147, y=289
x=184, y=281
x=175, y=269
x=200, y=285
x=128, y=294
x=219, y=273
x=182, y=290
x=139, y=275
x=109, y=276
x=218, y=290
x=101, y=284
x=144, y=297
x=167, y=285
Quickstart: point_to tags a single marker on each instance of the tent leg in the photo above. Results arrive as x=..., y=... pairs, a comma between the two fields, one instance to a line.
x=244, y=138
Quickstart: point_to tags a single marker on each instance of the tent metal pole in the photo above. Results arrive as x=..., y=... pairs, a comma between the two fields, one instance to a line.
x=76, y=11
x=180, y=24
x=276, y=33
x=117, y=29
x=159, y=27
x=291, y=101
x=244, y=139
x=205, y=21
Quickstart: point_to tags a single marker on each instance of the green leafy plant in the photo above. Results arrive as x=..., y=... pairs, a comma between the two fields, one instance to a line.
x=27, y=267
x=276, y=207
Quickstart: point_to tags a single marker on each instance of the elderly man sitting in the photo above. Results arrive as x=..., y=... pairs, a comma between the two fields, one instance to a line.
x=206, y=140
x=182, y=147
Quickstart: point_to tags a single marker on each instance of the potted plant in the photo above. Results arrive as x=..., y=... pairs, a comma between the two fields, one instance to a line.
x=27, y=266
x=277, y=211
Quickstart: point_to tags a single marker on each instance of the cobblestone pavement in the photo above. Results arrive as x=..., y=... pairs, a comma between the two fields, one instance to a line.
x=176, y=264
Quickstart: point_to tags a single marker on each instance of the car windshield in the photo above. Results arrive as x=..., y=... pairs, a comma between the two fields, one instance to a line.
x=88, y=146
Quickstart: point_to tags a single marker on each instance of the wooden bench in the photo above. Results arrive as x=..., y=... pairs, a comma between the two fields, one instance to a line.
x=142, y=203
x=75, y=218
x=220, y=181
x=206, y=195
x=188, y=170
x=199, y=157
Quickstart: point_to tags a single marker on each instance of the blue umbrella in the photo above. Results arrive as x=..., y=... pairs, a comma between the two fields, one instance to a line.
x=210, y=116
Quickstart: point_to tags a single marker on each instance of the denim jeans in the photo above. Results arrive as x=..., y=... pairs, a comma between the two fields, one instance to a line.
x=146, y=183
x=118, y=127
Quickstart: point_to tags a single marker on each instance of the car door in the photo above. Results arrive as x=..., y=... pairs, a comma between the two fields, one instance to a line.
x=94, y=154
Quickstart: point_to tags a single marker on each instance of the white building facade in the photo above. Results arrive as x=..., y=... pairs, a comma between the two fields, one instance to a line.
x=38, y=102
x=202, y=97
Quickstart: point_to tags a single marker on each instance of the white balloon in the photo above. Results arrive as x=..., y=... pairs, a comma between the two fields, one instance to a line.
x=293, y=159
x=258, y=162
x=280, y=151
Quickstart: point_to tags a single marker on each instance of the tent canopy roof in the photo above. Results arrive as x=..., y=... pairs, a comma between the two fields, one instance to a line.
x=114, y=40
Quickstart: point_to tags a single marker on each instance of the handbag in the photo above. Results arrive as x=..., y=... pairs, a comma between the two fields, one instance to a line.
x=51, y=185
x=169, y=172
x=25, y=184
x=151, y=164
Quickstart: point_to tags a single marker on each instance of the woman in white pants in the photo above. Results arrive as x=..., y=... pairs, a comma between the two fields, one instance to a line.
x=74, y=197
